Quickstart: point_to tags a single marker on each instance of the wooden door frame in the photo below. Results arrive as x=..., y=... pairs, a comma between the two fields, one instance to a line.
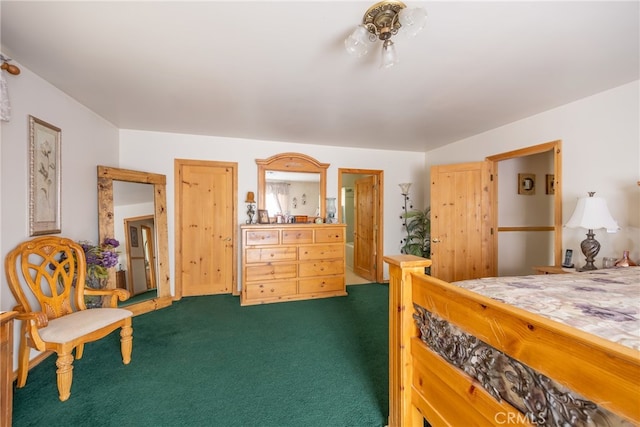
x=380, y=209
x=556, y=148
x=177, y=173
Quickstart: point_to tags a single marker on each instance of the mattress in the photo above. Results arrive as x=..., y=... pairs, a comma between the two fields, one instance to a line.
x=604, y=302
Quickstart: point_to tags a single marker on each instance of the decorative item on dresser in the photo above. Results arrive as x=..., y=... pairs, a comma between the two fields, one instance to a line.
x=625, y=261
x=251, y=206
x=292, y=262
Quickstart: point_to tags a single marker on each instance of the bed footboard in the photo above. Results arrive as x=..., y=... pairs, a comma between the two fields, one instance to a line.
x=422, y=384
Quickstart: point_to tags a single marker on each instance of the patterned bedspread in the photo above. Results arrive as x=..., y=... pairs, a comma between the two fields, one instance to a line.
x=603, y=302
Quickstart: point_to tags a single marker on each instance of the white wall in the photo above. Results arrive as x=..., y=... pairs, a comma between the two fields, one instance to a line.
x=601, y=152
x=86, y=141
x=155, y=152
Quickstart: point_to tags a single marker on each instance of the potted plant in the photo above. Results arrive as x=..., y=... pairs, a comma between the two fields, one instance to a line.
x=418, y=240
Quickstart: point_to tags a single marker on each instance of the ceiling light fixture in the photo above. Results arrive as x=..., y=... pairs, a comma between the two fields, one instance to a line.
x=381, y=21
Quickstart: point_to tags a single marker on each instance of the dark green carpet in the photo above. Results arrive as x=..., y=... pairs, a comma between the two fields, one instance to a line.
x=206, y=361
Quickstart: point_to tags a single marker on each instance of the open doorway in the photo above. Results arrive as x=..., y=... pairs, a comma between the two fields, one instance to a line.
x=528, y=216
x=360, y=208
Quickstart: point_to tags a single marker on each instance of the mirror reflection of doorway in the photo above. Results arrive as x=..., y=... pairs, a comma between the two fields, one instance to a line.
x=149, y=259
x=141, y=262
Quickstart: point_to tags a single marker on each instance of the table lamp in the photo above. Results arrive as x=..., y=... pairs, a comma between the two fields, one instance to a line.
x=591, y=213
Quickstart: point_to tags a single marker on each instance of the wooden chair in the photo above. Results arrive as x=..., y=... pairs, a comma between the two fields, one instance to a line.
x=49, y=267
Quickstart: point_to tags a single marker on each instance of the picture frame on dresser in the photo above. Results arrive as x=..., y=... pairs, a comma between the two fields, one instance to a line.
x=263, y=216
x=44, y=177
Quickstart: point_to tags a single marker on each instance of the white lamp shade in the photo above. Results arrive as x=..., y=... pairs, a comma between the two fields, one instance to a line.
x=592, y=213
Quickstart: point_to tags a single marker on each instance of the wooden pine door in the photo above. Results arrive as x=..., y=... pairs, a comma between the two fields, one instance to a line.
x=206, y=227
x=462, y=243
x=365, y=225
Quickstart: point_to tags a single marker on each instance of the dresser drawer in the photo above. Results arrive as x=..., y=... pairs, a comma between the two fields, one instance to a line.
x=321, y=268
x=271, y=289
x=270, y=272
x=327, y=284
x=280, y=253
x=262, y=237
x=329, y=235
x=313, y=252
x=297, y=236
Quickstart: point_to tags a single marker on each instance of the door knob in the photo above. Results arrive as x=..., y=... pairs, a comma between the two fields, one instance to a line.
x=435, y=240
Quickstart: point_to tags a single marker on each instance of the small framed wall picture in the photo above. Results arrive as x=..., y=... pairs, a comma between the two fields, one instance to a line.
x=133, y=236
x=526, y=184
x=263, y=216
x=551, y=184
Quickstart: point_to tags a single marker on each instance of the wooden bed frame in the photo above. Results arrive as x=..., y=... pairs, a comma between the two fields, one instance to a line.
x=423, y=385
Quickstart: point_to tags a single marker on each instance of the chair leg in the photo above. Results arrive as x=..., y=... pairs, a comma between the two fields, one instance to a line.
x=23, y=361
x=65, y=374
x=126, y=342
x=79, y=351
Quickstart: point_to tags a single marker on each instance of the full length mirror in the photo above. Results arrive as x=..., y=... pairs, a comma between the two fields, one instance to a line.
x=292, y=184
x=134, y=228
x=131, y=206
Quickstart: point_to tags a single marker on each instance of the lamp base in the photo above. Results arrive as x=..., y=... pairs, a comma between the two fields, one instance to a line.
x=587, y=267
x=590, y=248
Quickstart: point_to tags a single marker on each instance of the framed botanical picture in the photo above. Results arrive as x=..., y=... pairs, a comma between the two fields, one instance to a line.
x=44, y=177
x=263, y=216
x=133, y=236
x=527, y=184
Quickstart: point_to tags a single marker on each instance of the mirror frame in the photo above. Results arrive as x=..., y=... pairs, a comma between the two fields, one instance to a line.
x=106, y=228
x=291, y=162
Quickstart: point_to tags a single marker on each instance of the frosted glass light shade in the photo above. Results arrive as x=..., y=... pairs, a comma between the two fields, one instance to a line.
x=592, y=213
x=404, y=188
x=412, y=21
x=389, y=55
x=357, y=44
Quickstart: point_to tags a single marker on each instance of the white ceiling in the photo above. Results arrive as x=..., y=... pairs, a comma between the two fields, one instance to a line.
x=277, y=70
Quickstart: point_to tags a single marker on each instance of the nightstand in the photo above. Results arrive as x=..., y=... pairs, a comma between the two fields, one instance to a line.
x=553, y=269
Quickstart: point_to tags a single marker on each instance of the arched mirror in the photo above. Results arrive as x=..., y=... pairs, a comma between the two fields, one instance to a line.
x=132, y=209
x=292, y=184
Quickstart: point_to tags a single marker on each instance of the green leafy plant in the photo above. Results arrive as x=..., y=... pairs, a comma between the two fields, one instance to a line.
x=418, y=226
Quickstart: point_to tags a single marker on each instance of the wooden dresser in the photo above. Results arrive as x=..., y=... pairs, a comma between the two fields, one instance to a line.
x=285, y=262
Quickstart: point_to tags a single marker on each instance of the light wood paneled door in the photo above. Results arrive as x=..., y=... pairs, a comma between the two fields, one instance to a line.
x=462, y=244
x=364, y=247
x=206, y=200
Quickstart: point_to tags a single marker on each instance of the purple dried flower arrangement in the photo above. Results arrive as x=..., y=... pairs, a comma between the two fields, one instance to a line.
x=99, y=259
